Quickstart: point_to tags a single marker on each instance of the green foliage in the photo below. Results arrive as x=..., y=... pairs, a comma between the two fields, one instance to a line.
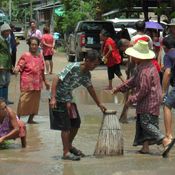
x=76, y=10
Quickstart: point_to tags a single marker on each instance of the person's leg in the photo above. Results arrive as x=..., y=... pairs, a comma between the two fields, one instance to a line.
x=47, y=65
x=118, y=72
x=150, y=126
x=6, y=96
x=121, y=78
x=168, y=121
x=145, y=148
x=51, y=66
x=65, y=136
x=110, y=84
x=169, y=103
x=110, y=77
x=30, y=119
x=73, y=133
x=23, y=142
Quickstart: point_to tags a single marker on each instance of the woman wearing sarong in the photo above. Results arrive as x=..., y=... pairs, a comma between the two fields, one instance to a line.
x=31, y=68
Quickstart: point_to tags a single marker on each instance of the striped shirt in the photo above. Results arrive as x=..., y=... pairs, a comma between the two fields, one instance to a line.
x=147, y=93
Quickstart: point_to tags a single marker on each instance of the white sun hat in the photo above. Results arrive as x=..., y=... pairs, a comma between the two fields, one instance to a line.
x=141, y=51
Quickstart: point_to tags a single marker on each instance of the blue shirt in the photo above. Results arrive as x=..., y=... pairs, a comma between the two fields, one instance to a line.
x=169, y=62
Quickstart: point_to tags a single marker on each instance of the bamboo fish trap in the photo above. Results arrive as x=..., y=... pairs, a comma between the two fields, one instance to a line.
x=110, y=140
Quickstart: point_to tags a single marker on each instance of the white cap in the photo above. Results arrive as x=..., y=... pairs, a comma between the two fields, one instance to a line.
x=5, y=27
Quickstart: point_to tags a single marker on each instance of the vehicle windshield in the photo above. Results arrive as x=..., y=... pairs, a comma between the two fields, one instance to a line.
x=95, y=26
x=126, y=24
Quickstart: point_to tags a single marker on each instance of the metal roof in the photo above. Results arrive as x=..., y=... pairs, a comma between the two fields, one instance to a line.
x=48, y=6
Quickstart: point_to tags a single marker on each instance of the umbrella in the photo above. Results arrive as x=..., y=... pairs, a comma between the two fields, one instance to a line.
x=153, y=25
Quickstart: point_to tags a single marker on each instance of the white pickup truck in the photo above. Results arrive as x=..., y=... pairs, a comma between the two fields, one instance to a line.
x=86, y=37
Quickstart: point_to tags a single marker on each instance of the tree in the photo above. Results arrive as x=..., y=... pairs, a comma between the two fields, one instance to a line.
x=76, y=10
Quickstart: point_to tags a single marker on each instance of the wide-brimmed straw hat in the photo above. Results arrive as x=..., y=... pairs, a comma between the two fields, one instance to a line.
x=172, y=23
x=141, y=51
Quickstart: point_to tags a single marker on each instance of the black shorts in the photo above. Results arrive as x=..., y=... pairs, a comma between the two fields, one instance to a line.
x=60, y=119
x=48, y=58
x=114, y=70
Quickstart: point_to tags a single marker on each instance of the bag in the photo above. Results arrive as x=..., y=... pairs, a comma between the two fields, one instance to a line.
x=60, y=112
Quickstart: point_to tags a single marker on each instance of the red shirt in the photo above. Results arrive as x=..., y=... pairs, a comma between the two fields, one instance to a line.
x=148, y=89
x=114, y=57
x=48, y=39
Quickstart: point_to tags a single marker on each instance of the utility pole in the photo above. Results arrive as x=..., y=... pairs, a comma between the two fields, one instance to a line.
x=10, y=10
x=31, y=9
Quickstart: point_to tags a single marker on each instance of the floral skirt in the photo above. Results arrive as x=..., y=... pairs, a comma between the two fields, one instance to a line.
x=147, y=129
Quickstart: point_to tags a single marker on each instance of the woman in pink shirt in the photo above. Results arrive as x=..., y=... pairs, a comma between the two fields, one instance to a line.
x=48, y=49
x=31, y=68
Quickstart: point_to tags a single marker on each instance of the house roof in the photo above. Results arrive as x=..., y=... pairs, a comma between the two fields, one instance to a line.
x=48, y=6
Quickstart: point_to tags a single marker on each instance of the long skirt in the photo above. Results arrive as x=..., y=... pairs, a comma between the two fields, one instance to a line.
x=28, y=103
x=147, y=129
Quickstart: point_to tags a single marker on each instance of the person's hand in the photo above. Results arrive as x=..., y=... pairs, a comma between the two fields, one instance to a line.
x=102, y=108
x=15, y=70
x=114, y=91
x=164, y=97
x=47, y=85
x=104, y=59
x=53, y=102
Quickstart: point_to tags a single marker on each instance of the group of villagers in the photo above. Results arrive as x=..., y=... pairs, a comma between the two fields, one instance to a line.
x=146, y=82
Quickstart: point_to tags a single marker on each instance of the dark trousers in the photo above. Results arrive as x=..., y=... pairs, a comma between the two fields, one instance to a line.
x=4, y=93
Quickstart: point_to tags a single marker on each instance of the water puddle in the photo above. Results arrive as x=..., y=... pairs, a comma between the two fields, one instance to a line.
x=82, y=96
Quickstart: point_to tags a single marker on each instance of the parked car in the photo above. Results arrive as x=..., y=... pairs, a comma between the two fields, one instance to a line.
x=86, y=37
x=19, y=32
x=129, y=24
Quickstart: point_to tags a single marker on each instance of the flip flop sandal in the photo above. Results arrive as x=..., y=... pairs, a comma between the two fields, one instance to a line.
x=70, y=156
x=168, y=148
x=76, y=152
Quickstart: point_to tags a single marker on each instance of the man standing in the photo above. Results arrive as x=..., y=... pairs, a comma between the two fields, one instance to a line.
x=168, y=78
x=5, y=61
x=66, y=114
x=34, y=31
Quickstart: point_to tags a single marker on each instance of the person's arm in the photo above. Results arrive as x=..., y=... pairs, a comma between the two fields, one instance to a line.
x=166, y=80
x=14, y=133
x=48, y=45
x=167, y=73
x=124, y=87
x=45, y=81
x=109, y=51
x=20, y=65
x=95, y=98
x=55, y=81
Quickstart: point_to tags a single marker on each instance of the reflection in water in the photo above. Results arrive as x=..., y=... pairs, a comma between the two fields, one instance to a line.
x=68, y=169
x=82, y=96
